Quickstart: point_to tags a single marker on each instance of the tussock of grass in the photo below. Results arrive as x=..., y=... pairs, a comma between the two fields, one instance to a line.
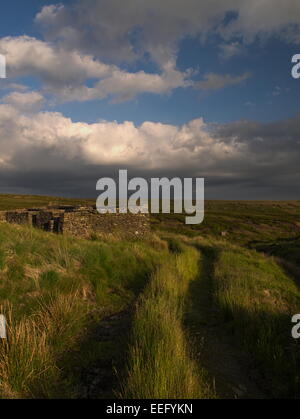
x=29, y=365
x=160, y=362
x=26, y=360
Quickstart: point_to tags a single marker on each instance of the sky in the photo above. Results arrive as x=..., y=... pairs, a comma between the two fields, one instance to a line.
x=188, y=88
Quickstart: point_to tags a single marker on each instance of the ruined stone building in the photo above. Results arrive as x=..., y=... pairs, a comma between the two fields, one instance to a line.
x=78, y=221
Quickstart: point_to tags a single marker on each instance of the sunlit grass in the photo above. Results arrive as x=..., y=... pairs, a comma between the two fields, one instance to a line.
x=160, y=357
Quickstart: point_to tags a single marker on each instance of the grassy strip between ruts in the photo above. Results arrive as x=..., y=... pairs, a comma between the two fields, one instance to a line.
x=160, y=362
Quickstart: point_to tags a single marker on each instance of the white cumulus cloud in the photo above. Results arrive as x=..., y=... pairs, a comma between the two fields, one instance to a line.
x=65, y=73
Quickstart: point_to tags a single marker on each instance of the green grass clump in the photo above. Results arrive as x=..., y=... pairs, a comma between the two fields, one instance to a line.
x=29, y=365
x=160, y=362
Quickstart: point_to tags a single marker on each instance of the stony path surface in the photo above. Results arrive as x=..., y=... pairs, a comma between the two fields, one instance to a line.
x=101, y=379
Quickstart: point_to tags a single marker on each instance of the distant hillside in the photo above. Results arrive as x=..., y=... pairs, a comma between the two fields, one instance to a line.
x=243, y=222
x=10, y=202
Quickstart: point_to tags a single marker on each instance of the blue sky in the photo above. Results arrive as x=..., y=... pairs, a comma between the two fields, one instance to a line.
x=257, y=98
x=99, y=84
x=268, y=62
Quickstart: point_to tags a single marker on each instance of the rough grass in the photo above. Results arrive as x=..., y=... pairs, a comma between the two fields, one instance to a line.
x=28, y=366
x=257, y=300
x=52, y=290
x=160, y=358
x=245, y=222
x=55, y=289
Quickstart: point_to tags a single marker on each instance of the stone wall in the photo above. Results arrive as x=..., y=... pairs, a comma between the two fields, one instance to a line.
x=133, y=224
x=79, y=221
x=15, y=217
x=87, y=222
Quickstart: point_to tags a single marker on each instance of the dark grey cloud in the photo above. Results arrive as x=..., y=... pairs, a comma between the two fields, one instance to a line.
x=49, y=154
